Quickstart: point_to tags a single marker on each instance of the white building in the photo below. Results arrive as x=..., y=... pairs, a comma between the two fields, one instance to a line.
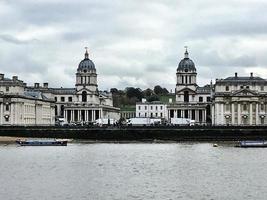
x=23, y=108
x=84, y=102
x=155, y=109
x=240, y=101
x=192, y=101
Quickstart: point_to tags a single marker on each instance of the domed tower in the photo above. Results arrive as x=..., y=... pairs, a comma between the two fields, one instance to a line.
x=186, y=79
x=86, y=76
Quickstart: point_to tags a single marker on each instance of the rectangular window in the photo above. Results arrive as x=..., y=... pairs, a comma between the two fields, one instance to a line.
x=7, y=89
x=160, y=107
x=145, y=114
x=262, y=87
x=7, y=107
x=245, y=107
x=241, y=87
x=156, y=107
x=151, y=108
x=139, y=107
x=208, y=99
x=262, y=107
x=200, y=99
x=161, y=115
x=62, y=99
x=151, y=114
x=247, y=87
x=227, y=88
x=156, y=114
x=70, y=99
x=55, y=98
x=145, y=107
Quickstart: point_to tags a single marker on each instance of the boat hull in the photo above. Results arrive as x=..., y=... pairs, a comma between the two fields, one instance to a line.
x=252, y=144
x=42, y=143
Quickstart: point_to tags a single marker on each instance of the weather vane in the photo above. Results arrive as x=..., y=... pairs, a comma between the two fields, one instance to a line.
x=186, y=47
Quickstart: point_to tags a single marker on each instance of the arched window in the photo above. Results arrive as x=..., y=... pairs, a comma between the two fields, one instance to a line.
x=84, y=96
x=186, y=96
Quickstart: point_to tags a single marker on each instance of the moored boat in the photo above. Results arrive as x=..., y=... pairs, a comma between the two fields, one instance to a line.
x=42, y=142
x=252, y=144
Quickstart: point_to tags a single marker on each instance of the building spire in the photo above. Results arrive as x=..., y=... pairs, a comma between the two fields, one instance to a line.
x=186, y=52
x=86, y=55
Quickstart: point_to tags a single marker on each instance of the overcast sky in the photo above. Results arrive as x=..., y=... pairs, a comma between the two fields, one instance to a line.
x=132, y=42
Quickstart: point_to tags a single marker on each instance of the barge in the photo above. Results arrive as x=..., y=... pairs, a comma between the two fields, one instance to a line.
x=42, y=142
x=252, y=144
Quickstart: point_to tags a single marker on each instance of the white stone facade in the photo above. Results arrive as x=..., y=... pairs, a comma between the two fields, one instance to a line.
x=192, y=101
x=83, y=103
x=240, y=101
x=151, y=109
x=23, y=108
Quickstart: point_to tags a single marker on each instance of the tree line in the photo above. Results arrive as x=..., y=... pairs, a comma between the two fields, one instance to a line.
x=131, y=95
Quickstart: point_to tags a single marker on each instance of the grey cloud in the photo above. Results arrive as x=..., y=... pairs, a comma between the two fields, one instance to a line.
x=14, y=40
x=137, y=42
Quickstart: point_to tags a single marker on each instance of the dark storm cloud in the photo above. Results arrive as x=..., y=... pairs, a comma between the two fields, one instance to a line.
x=132, y=42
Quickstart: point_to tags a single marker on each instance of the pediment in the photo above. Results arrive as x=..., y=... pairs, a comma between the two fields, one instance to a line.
x=244, y=92
x=186, y=89
x=84, y=89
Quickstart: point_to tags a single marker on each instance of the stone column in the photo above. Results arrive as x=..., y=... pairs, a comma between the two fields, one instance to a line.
x=175, y=113
x=250, y=114
x=238, y=113
x=257, y=114
x=213, y=114
x=86, y=115
x=222, y=114
x=204, y=116
x=65, y=114
x=216, y=114
x=189, y=113
x=79, y=115
x=182, y=113
x=197, y=116
x=72, y=116
x=233, y=114
x=93, y=115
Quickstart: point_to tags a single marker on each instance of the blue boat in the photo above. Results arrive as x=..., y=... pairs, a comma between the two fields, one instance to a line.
x=252, y=144
x=42, y=142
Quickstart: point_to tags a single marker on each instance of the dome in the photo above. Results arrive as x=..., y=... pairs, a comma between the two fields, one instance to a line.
x=86, y=63
x=186, y=64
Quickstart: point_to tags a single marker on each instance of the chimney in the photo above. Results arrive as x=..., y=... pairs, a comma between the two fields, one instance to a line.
x=236, y=75
x=15, y=78
x=251, y=74
x=36, y=85
x=45, y=85
x=1, y=76
x=143, y=100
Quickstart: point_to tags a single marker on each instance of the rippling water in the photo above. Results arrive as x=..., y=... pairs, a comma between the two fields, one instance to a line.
x=132, y=171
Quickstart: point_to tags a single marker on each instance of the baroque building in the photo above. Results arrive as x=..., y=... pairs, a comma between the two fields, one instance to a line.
x=240, y=100
x=192, y=101
x=22, y=107
x=84, y=102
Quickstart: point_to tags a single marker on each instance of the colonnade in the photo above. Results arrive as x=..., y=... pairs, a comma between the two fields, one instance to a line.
x=82, y=115
x=236, y=114
x=199, y=115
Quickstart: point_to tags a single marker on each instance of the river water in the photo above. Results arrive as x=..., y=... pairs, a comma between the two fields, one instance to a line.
x=132, y=171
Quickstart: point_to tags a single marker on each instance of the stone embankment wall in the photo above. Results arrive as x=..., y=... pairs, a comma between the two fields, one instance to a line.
x=141, y=133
